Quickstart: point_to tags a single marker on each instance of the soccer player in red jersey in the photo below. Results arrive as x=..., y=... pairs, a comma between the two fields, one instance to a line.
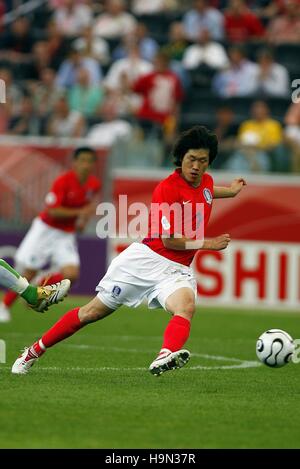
x=69, y=205
x=158, y=269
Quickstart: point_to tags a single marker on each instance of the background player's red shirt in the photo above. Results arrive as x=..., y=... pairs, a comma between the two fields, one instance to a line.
x=161, y=92
x=175, y=189
x=68, y=192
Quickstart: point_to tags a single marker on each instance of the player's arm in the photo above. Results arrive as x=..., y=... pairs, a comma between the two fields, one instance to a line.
x=182, y=244
x=231, y=191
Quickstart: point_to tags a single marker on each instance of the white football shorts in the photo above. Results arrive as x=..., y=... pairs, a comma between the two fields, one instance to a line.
x=139, y=273
x=44, y=244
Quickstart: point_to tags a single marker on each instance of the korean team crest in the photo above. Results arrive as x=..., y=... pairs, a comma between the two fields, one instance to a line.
x=207, y=195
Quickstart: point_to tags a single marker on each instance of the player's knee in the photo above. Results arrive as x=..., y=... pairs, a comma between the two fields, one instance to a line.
x=185, y=309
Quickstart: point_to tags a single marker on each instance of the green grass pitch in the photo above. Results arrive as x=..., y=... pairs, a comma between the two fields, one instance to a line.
x=94, y=390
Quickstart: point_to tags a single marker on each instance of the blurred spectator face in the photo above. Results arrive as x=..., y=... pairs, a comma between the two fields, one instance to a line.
x=161, y=63
x=6, y=76
x=200, y=5
x=292, y=8
x=69, y=4
x=61, y=107
x=48, y=77
x=40, y=50
x=204, y=37
x=74, y=56
x=265, y=59
x=176, y=32
x=83, y=77
x=26, y=106
x=20, y=27
x=260, y=111
x=115, y=7
x=141, y=31
x=224, y=116
x=236, y=56
x=236, y=6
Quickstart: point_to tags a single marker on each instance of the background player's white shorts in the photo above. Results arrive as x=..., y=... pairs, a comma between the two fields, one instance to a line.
x=138, y=273
x=43, y=244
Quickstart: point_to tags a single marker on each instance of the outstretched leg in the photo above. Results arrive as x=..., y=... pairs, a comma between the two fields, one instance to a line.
x=66, y=326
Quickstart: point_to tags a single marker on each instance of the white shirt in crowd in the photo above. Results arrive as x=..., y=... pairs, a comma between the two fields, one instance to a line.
x=112, y=27
x=211, y=54
x=71, y=24
x=132, y=68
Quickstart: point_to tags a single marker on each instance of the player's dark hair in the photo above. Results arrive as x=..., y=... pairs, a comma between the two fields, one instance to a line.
x=80, y=150
x=193, y=139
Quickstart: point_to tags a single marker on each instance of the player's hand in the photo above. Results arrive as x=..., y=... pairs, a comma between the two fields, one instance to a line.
x=220, y=242
x=237, y=185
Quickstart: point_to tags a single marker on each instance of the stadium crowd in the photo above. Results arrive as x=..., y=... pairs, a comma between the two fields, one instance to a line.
x=100, y=69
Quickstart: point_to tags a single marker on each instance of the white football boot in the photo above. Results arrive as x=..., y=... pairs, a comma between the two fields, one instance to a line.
x=51, y=294
x=24, y=362
x=4, y=313
x=167, y=361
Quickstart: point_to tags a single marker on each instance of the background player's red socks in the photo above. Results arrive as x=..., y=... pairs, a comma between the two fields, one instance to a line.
x=176, y=333
x=53, y=278
x=9, y=298
x=65, y=327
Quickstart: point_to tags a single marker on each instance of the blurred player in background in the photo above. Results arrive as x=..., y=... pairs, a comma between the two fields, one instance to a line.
x=158, y=269
x=70, y=204
x=38, y=298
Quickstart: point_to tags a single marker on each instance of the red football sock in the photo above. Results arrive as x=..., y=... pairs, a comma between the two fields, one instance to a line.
x=9, y=298
x=54, y=278
x=176, y=333
x=65, y=327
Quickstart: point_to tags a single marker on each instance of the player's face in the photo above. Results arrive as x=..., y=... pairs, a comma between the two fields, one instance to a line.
x=194, y=165
x=85, y=164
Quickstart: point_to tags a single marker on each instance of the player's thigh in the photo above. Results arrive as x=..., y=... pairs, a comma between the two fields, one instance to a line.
x=65, y=252
x=182, y=302
x=94, y=311
x=35, y=249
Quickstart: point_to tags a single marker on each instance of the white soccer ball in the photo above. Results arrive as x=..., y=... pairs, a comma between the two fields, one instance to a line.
x=275, y=348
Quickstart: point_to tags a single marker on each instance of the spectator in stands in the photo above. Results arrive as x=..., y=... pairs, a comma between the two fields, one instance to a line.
x=14, y=93
x=40, y=60
x=83, y=96
x=239, y=79
x=111, y=129
x=241, y=24
x=58, y=44
x=226, y=130
x=249, y=157
x=286, y=28
x=16, y=44
x=115, y=21
x=66, y=76
x=133, y=66
x=44, y=94
x=206, y=52
x=26, y=122
x=93, y=46
x=292, y=133
x=72, y=17
x=177, y=42
x=162, y=94
x=273, y=78
x=65, y=123
x=147, y=45
x=202, y=16
x=269, y=135
x=150, y=7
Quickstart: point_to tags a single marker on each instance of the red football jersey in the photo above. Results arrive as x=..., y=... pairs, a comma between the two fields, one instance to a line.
x=176, y=189
x=68, y=192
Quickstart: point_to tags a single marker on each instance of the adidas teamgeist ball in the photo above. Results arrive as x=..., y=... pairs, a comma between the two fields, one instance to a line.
x=275, y=348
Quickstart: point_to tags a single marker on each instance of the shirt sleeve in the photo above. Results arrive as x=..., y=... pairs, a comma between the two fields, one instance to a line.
x=55, y=197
